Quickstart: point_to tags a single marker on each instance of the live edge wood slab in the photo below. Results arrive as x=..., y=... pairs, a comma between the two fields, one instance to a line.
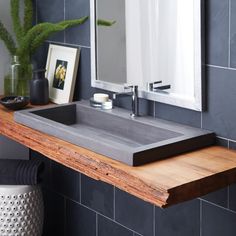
x=162, y=183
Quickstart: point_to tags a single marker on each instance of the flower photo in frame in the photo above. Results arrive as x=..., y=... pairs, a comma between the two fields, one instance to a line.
x=61, y=71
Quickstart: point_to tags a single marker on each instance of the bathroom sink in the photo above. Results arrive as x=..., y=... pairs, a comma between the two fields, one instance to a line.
x=114, y=133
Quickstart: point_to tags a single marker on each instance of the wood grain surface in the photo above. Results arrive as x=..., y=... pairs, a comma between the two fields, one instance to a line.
x=162, y=183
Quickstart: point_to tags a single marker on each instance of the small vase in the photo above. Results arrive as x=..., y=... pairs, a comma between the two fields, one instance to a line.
x=16, y=83
x=39, y=93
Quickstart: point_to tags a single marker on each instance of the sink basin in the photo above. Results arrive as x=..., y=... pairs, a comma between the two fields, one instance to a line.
x=114, y=133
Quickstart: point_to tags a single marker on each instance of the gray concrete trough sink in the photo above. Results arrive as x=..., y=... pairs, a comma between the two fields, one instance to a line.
x=113, y=133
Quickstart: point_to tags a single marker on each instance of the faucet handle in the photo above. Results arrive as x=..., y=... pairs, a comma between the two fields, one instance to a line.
x=132, y=87
x=152, y=85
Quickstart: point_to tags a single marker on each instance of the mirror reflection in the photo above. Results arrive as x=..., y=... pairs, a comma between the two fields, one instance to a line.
x=155, y=44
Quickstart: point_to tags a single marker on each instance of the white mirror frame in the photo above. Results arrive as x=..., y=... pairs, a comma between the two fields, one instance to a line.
x=196, y=103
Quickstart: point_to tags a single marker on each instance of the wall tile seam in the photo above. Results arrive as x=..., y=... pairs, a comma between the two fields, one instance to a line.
x=96, y=212
x=227, y=139
x=217, y=206
x=68, y=44
x=96, y=224
x=220, y=67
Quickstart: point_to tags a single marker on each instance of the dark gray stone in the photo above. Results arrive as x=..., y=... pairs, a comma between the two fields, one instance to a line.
x=217, y=221
x=233, y=35
x=219, y=197
x=107, y=227
x=51, y=12
x=80, y=221
x=79, y=35
x=97, y=195
x=10, y=149
x=114, y=134
x=232, y=145
x=220, y=116
x=232, y=197
x=66, y=181
x=178, y=114
x=54, y=213
x=134, y=213
x=222, y=142
x=83, y=89
x=180, y=220
x=217, y=32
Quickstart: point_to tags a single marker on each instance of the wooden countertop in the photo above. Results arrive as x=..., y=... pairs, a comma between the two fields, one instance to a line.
x=162, y=183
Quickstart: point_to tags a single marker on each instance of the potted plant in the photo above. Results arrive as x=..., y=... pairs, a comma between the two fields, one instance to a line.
x=28, y=38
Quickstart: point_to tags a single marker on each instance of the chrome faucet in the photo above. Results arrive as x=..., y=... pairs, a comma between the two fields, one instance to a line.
x=135, y=100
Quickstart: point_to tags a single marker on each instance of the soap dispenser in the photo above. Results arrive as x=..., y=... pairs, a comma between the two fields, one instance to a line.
x=39, y=89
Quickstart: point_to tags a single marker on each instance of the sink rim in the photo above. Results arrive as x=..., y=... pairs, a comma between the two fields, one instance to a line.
x=127, y=152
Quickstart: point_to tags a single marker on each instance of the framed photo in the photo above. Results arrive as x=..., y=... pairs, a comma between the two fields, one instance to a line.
x=62, y=66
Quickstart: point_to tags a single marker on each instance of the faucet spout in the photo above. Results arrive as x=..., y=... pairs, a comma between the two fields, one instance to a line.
x=135, y=100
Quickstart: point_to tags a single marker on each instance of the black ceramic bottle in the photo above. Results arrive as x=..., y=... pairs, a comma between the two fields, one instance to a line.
x=39, y=93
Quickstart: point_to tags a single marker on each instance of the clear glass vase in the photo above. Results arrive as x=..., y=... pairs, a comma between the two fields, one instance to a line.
x=16, y=82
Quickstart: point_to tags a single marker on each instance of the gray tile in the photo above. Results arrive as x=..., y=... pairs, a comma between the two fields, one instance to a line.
x=179, y=220
x=83, y=89
x=79, y=35
x=54, y=214
x=134, y=213
x=233, y=35
x=232, y=145
x=221, y=142
x=219, y=197
x=220, y=116
x=10, y=149
x=178, y=114
x=217, y=32
x=80, y=221
x=107, y=227
x=51, y=12
x=232, y=197
x=97, y=195
x=217, y=221
x=65, y=181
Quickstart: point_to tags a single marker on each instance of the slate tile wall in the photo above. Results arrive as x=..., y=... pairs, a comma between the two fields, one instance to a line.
x=78, y=205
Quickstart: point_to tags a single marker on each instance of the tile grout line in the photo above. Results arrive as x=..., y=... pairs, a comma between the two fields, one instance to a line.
x=229, y=46
x=98, y=213
x=227, y=139
x=68, y=44
x=221, y=207
x=96, y=224
x=220, y=67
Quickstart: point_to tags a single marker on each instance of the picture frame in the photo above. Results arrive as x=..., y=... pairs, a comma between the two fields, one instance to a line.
x=61, y=70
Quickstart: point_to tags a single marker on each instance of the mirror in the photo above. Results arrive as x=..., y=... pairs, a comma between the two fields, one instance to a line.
x=155, y=44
